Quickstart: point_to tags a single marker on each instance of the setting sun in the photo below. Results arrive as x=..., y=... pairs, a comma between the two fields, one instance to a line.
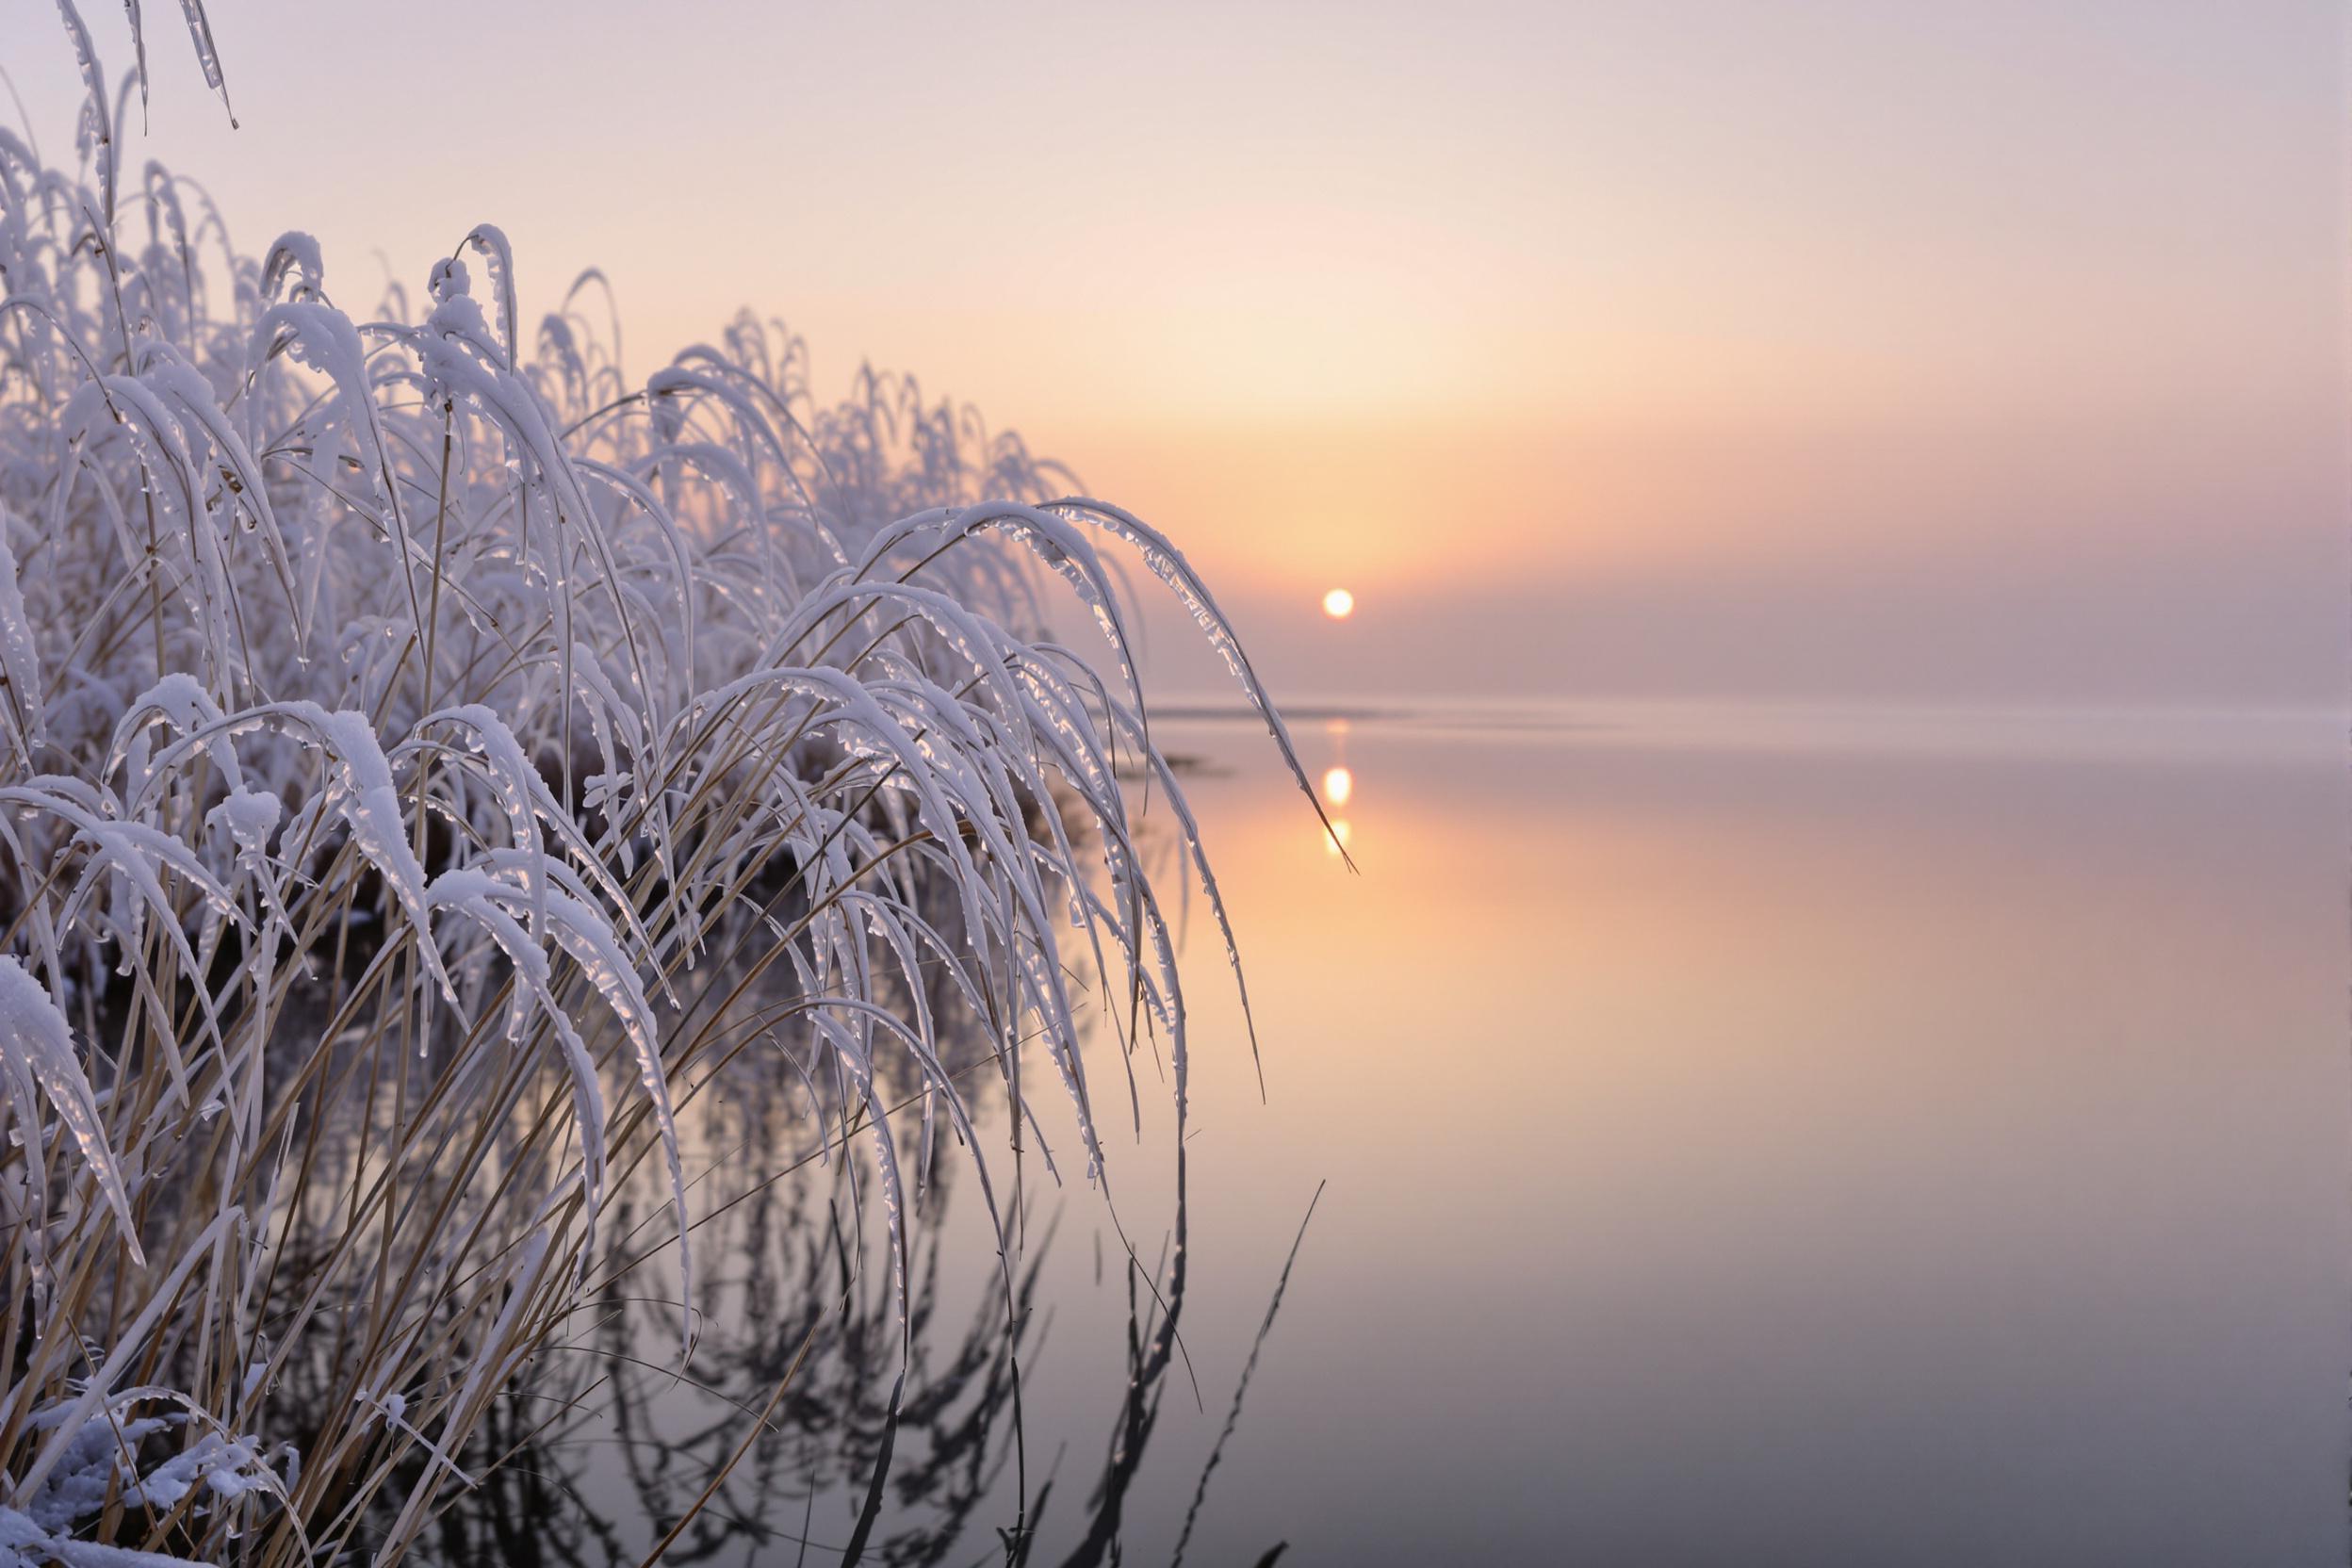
x=1339, y=604
x=1338, y=784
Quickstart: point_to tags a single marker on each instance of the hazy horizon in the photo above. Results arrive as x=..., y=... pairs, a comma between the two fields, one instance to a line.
x=1823, y=350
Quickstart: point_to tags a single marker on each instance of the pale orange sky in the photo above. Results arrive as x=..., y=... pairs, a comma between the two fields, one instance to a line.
x=1790, y=349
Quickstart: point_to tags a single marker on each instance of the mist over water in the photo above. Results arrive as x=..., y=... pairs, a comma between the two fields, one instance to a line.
x=1751, y=1134
x=1854, y=1137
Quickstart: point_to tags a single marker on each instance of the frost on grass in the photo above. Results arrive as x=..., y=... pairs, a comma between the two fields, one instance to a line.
x=428, y=756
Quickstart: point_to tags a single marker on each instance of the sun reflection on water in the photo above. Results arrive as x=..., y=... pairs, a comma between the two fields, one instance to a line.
x=1339, y=787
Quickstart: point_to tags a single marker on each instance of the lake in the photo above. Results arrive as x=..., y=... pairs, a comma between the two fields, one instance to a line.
x=1745, y=1136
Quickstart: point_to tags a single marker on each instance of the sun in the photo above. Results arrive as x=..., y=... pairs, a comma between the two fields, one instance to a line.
x=1339, y=604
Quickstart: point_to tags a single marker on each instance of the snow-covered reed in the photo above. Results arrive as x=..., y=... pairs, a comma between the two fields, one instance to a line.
x=426, y=754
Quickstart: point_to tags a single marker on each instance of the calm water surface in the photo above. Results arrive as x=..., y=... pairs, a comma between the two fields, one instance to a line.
x=1751, y=1136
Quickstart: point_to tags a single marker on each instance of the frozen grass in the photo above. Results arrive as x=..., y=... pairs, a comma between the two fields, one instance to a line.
x=425, y=753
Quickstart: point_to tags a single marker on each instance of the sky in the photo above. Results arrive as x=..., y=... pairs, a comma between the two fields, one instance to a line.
x=1795, y=351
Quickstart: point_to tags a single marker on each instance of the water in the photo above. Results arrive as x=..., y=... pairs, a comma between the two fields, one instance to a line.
x=1782, y=1138
x=1746, y=1136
